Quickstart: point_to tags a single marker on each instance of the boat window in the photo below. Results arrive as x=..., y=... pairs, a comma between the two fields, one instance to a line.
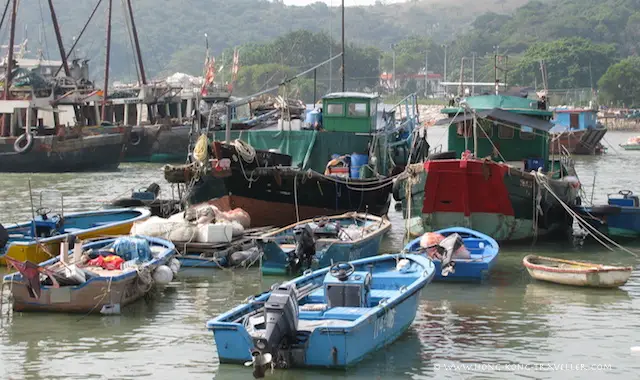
x=487, y=127
x=335, y=109
x=464, y=128
x=526, y=133
x=357, y=109
x=574, y=121
x=505, y=132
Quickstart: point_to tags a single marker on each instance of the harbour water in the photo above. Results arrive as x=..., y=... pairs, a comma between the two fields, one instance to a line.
x=511, y=327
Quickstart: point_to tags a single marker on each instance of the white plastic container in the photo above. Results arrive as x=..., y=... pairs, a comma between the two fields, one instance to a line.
x=73, y=272
x=215, y=233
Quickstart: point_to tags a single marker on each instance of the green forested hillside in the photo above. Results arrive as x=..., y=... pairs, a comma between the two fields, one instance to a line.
x=172, y=31
x=577, y=39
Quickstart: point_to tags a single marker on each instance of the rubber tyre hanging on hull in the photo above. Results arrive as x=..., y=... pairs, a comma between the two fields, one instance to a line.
x=26, y=148
x=449, y=155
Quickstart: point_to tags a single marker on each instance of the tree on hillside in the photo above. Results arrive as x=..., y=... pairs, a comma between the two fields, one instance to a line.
x=570, y=63
x=621, y=83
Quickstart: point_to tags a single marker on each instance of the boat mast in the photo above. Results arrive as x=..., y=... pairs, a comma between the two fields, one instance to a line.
x=56, y=29
x=7, y=75
x=343, y=69
x=143, y=77
x=106, y=64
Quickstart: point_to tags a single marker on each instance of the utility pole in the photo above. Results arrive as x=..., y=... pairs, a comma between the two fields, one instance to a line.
x=393, y=79
x=426, y=73
x=473, y=73
x=343, y=69
x=106, y=64
x=7, y=80
x=445, y=62
x=56, y=29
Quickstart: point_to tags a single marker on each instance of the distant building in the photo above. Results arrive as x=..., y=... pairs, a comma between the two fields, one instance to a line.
x=434, y=81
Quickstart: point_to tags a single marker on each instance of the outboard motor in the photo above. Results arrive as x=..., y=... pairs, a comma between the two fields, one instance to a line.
x=446, y=248
x=281, y=320
x=4, y=237
x=305, y=248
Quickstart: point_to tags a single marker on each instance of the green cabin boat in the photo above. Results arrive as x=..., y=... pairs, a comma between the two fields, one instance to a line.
x=339, y=160
x=497, y=176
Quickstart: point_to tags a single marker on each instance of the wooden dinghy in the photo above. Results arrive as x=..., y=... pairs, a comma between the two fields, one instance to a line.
x=569, y=272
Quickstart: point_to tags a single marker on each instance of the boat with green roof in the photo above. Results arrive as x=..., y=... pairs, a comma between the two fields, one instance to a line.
x=497, y=177
x=342, y=159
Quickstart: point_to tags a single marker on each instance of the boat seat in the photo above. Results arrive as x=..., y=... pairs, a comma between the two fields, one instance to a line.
x=310, y=325
x=316, y=296
x=345, y=313
x=376, y=295
x=286, y=248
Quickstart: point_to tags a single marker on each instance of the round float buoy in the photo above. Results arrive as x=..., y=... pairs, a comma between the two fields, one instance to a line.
x=174, y=264
x=162, y=275
x=21, y=148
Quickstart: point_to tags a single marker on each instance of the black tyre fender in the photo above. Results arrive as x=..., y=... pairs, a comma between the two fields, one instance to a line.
x=448, y=155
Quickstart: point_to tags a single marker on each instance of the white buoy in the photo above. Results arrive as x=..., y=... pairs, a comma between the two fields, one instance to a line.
x=174, y=264
x=635, y=349
x=162, y=275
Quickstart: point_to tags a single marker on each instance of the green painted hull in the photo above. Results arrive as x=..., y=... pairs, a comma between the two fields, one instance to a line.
x=630, y=146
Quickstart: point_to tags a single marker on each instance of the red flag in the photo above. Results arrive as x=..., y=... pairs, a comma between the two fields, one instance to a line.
x=31, y=273
x=209, y=74
x=235, y=68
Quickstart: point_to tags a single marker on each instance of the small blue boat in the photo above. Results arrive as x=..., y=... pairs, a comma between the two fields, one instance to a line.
x=483, y=252
x=332, y=317
x=620, y=217
x=319, y=242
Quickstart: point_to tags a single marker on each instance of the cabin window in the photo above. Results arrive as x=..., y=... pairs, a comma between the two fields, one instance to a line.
x=505, y=132
x=464, y=129
x=357, y=109
x=574, y=121
x=526, y=133
x=487, y=130
x=335, y=109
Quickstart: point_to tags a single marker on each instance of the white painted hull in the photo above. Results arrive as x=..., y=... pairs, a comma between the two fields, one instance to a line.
x=576, y=273
x=592, y=279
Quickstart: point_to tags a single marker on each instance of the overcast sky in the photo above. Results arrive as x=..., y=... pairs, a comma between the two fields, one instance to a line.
x=338, y=2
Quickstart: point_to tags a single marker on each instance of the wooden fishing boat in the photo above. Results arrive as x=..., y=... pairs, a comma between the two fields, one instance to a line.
x=569, y=272
x=332, y=317
x=318, y=242
x=102, y=277
x=39, y=239
x=480, y=253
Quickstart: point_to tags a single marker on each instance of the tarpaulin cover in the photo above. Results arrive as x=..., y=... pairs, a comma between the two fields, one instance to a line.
x=308, y=149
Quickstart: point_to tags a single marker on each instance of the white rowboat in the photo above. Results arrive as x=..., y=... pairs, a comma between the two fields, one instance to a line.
x=568, y=272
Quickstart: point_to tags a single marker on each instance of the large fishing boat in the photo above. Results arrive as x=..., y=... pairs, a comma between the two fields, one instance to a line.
x=497, y=176
x=51, y=122
x=577, y=131
x=343, y=161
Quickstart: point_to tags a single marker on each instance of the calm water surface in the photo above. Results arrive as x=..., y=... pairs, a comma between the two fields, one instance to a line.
x=491, y=328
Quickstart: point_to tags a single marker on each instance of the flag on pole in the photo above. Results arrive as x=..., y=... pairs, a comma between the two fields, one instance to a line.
x=209, y=73
x=234, y=69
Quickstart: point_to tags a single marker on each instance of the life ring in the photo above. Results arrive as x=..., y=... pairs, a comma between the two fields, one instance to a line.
x=23, y=149
x=136, y=138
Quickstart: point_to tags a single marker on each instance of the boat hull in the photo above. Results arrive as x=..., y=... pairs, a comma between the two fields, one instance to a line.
x=267, y=194
x=360, y=333
x=586, y=141
x=158, y=143
x=596, y=276
x=52, y=155
x=45, y=249
x=489, y=197
x=630, y=146
x=275, y=260
x=613, y=221
x=98, y=295
x=475, y=269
